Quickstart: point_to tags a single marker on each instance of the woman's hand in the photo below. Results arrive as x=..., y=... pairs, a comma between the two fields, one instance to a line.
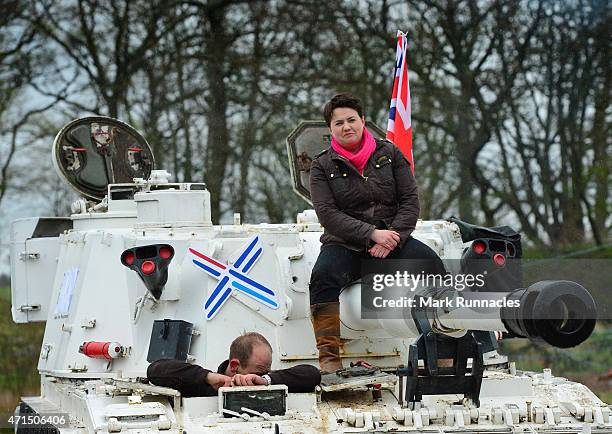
x=387, y=239
x=379, y=251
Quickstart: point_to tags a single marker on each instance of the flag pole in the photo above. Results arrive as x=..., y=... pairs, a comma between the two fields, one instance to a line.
x=399, y=127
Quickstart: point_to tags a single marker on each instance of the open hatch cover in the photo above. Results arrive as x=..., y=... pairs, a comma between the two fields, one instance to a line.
x=93, y=152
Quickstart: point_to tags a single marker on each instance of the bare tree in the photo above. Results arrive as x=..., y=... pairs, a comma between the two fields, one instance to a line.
x=109, y=43
x=511, y=100
x=555, y=170
x=19, y=67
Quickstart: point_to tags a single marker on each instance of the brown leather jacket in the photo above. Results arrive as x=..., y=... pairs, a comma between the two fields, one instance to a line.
x=350, y=205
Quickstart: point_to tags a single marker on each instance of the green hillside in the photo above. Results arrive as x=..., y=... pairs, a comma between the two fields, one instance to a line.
x=20, y=345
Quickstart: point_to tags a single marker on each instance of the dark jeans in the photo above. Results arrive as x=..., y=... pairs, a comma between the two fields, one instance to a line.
x=338, y=266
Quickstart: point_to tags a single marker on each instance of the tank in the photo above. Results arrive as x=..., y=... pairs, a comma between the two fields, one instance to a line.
x=138, y=272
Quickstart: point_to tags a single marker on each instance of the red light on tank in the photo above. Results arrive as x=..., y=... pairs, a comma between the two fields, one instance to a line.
x=499, y=259
x=148, y=267
x=479, y=247
x=128, y=258
x=165, y=252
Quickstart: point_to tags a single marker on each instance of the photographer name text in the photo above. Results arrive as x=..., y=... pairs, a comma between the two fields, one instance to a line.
x=444, y=303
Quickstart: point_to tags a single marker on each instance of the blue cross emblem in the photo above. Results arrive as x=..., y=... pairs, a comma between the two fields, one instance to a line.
x=234, y=278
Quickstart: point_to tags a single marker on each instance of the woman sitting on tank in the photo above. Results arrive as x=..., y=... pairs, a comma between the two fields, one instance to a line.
x=365, y=197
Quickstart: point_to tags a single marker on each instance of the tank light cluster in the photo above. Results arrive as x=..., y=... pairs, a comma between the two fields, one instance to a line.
x=498, y=259
x=151, y=264
x=497, y=250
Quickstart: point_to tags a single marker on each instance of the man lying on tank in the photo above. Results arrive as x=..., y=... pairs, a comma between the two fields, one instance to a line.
x=249, y=362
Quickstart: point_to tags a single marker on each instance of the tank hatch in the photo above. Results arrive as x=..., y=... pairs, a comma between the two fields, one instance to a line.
x=304, y=143
x=93, y=152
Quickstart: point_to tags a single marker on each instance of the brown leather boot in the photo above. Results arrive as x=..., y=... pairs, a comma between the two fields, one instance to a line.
x=326, y=323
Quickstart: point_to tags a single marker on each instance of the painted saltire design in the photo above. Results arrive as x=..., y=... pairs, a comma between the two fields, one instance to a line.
x=234, y=278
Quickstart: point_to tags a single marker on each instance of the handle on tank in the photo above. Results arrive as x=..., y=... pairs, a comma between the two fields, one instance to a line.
x=559, y=312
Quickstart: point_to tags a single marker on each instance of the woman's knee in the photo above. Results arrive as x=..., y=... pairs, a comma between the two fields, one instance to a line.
x=417, y=250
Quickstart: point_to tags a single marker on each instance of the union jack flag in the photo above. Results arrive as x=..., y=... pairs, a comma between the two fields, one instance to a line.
x=399, y=128
x=234, y=278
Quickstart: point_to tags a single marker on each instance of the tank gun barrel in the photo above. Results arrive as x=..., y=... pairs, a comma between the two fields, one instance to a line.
x=560, y=313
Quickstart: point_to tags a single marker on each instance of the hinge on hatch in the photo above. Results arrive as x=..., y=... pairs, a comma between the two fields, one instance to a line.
x=28, y=307
x=24, y=256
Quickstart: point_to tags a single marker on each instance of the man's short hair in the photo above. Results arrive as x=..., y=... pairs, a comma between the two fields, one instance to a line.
x=341, y=100
x=242, y=347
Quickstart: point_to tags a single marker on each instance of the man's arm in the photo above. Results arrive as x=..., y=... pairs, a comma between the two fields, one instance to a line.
x=190, y=380
x=299, y=379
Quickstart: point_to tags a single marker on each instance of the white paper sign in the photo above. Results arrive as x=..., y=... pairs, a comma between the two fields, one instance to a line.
x=64, y=297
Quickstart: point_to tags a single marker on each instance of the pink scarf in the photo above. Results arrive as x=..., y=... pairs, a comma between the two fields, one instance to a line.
x=361, y=157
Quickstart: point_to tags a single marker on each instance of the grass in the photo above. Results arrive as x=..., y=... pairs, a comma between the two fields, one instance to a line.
x=5, y=295
x=576, y=252
x=20, y=345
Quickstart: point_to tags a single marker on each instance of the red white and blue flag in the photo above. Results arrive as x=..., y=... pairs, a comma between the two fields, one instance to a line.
x=399, y=128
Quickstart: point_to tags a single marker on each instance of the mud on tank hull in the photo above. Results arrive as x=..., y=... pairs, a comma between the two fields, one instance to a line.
x=506, y=400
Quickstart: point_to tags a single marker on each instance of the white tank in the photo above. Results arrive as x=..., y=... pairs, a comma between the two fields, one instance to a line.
x=140, y=249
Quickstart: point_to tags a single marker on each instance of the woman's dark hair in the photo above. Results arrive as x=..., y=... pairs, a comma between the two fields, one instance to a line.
x=341, y=100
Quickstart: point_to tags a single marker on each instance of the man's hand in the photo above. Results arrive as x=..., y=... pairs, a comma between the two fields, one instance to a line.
x=218, y=380
x=379, y=251
x=387, y=239
x=248, y=380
